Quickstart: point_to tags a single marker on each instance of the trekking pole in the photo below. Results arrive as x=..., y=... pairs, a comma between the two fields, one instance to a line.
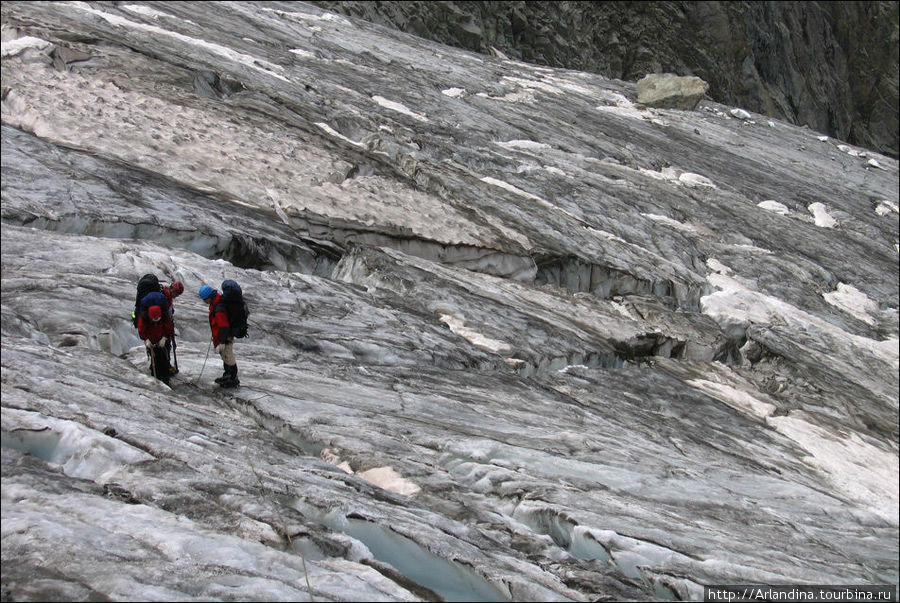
x=152, y=362
x=175, y=353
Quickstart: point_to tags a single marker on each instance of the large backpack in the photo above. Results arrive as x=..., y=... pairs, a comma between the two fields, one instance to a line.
x=236, y=307
x=154, y=298
x=148, y=284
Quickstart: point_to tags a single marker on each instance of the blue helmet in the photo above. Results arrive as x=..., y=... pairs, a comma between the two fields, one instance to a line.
x=206, y=292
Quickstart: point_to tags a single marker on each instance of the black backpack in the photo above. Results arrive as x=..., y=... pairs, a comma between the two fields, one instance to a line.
x=236, y=307
x=148, y=284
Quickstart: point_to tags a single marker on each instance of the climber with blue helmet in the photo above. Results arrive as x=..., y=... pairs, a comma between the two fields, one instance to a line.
x=222, y=338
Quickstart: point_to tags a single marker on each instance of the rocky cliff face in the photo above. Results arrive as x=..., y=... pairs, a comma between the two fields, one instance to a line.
x=832, y=66
x=513, y=336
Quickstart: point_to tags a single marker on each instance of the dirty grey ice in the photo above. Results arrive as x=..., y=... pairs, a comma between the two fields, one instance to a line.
x=513, y=335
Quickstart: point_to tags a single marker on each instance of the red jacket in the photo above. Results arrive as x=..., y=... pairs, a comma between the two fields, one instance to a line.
x=170, y=294
x=155, y=331
x=218, y=321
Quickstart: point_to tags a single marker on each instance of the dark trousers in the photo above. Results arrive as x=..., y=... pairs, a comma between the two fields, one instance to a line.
x=159, y=363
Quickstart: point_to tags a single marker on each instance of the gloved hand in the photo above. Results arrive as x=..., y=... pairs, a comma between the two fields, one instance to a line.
x=162, y=342
x=148, y=344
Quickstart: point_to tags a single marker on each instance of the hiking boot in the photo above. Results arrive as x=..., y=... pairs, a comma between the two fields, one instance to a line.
x=173, y=370
x=230, y=378
x=226, y=374
x=230, y=382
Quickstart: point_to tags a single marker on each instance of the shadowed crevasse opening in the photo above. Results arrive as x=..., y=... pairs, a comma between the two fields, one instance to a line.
x=449, y=579
x=321, y=257
x=319, y=252
x=241, y=250
x=604, y=282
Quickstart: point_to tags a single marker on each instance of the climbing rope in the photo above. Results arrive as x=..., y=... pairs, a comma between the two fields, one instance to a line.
x=204, y=363
x=266, y=492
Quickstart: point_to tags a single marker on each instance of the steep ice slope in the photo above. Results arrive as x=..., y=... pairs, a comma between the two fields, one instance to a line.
x=512, y=336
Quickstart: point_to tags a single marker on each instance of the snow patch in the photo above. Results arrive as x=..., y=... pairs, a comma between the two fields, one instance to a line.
x=735, y=398
x=664, y=174
x=740, y=114
x=514, y=363
x=499, y=54
x=717, y=266
x=17, y=112
x=398, y=107
x=822, y=217
x=859, y=470
x=388, y=479
x=672, y=174
x=145, y=11
x=851, y=151
x=458, y=326
x=330, y=17
x=14, y=47
x=576, y=88
x=619, y=105
x=885, y=207
x=328, y=129
x=673, y=223
x=520, y=96
x=534, y=85
x=514, y=189
x=695, y=180
x=454, y=92
x=853, y=301
x=774, y=206
x=735, y=307
x=385, y=478
x=330, y=455
x=232, y=55
x=302, y=53
x=753, y=248
x=529, y=145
